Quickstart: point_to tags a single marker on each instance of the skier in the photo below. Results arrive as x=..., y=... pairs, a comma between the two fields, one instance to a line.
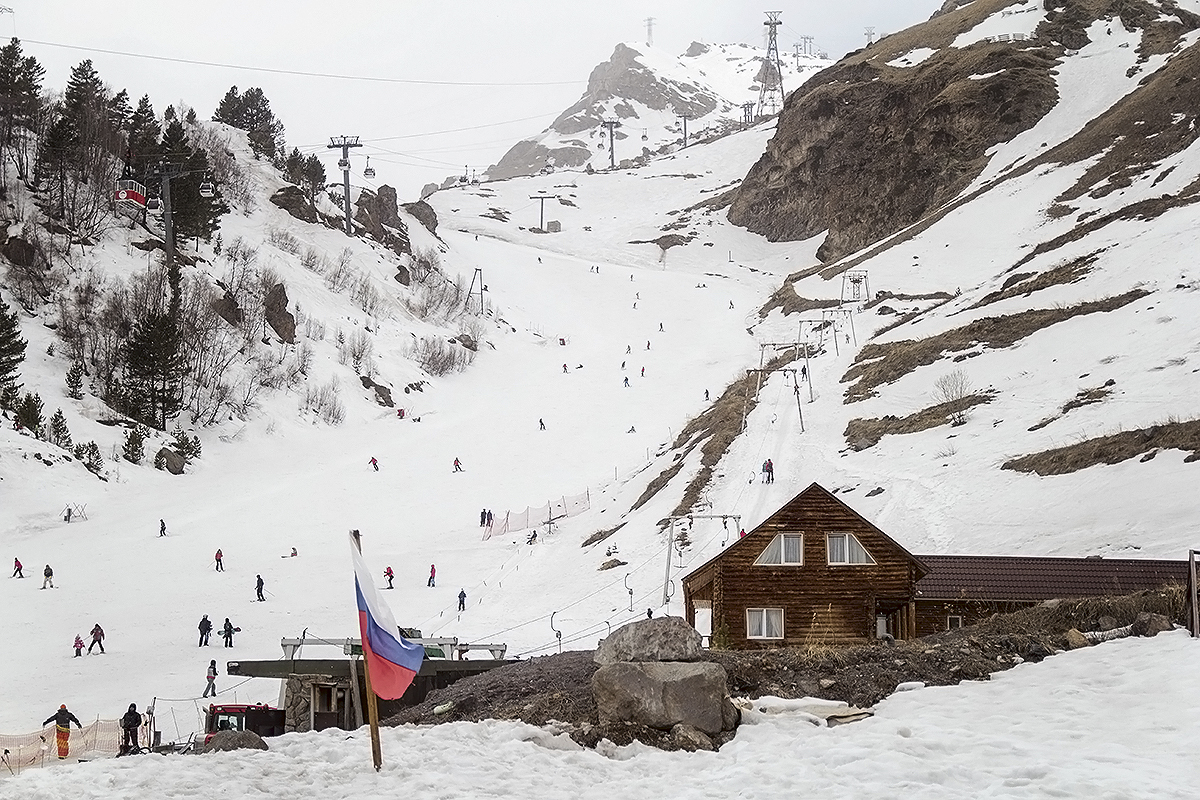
x=769, y=467
x=211, y=674
x=483, y=513
x=67, y=516
x=660, y=328
x=457, y=465
x=541, y=425
x=227, y=631
x=647, y=344
x=78, y=646
x=532, y=538
x=130, y=724
x=17, y=568
x=564, y=369
x=374, y=463
x=628, y=349
x=643, y=372
x=742, y=533
x=731, y=304
x=462, y=599
x=205, y=630
x=432, y=573
x=631, y=430
x=626, y=381
x=218, y=557
x=649, y=613
x=803, y=372
x=258, y=588
x=162, y=528
x=489, y=518
x=387, y=573
x=48, y=577
x=62, y=720
x=706, y=395
x=97, y=638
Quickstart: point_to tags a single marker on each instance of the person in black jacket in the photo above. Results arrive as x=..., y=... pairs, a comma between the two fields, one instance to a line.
x=205, y=630
x=258, y=587
x=130, y=724
x=227, y=630
x=62, y=720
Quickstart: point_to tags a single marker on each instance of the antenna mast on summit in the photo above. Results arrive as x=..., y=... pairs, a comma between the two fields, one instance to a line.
x=770, y=94
x=649, y=31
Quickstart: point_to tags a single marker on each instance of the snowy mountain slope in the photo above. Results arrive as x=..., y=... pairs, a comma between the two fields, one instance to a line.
x=648, y=90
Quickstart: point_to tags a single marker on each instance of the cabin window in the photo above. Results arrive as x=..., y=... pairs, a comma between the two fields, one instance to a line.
x=844, y=548
x=764, y=623
x=784, y=549
x=953, y=622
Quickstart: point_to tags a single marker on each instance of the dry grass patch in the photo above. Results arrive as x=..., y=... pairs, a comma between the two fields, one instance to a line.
x=1024, y=284
x=1085, y=397
x=877, y=364
x=1113, y=449
x=863, y=433
x=786, y=299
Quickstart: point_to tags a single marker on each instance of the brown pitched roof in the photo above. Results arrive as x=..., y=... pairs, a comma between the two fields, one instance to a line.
x=1032, y=579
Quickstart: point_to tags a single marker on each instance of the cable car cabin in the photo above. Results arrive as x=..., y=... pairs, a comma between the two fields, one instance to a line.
x=343, y=164
x=207, y=189
x=130, y=197
x=369, y=171
x=153, y=204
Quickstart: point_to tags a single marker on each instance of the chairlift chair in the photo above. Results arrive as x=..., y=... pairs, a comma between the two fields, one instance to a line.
x=369, y=171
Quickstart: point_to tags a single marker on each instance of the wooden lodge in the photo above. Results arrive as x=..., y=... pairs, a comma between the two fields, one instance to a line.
x=817, y=572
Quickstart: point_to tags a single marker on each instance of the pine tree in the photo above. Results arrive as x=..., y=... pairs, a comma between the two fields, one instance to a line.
x=143, y=133
x=154, y=371
x=293, y=167
x=314, y=177
x=92, y=459
x=12, y=348
x=20, y=86
x=183, y=445
x=134, y=450
x=192, y=214
x=160, y=460
x=119, y=110
x=75, y=381
x=59, y=433
x=29, y=414
x=251, y=111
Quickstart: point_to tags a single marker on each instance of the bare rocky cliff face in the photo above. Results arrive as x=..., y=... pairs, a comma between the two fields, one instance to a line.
x=864, y=149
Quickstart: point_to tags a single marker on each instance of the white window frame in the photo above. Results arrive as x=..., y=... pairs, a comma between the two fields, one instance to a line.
x=848, y=536
x=958, y=617
x=782, y=621
x=758, y=562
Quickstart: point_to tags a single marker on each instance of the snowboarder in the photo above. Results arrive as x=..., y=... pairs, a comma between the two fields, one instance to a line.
x=489, y=518
x=643, y=372
x=205, y=627
x=78, y=646
x=462, y=599
x=62, y=720
x=628, y=349
x=541, y=424
x=706, y=395
x=387, y=573
x=17, y=568
x=660, y=328
x=162, y=528
x=218, y=557
x=457, y=465
x=211, y=674
x=482, y=517
x=564, y=369
x=227, y=631
x=130, y=724
x=47, y=577
x=258, y=588
x=374, y=463
x=647, y=344
x=432, y=574
x=97, y=638
x=626, y=381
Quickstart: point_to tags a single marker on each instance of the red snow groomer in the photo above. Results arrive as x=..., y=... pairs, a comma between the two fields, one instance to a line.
x=261, y=719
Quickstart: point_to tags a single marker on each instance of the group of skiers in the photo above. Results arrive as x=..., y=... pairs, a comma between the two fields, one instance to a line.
x=768, y=471
x=227, y=631
x=97, y=640
x=47, y=573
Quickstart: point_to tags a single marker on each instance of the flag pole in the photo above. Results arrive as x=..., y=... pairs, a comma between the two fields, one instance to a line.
x=372, y=706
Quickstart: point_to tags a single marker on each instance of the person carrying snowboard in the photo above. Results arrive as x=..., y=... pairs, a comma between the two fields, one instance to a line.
x=62, y=720
x=47, y=577
x=218, y=557
x=227, y=631
x=205, y=630
x=462, y=599
x=130, y=724
x=432, y=574
x=78, y=646
x=17, y=568
x=258, y=587
x=211, y=674
x=387, y=573
x=97, y=638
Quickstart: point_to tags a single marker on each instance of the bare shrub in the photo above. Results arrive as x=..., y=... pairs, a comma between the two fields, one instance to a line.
x=283, y=240
x=365, y=295
x=439, y=357
x=325, y=401
x=313, y=261
x=953, y=387
x=426, y=262
x=437, y=299
x=357, y=350
x=339, y=276
x=314, y=329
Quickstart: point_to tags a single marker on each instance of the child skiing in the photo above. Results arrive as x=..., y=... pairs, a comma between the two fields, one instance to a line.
x=78, y=646
x=97, y=638
x=387, y=573
x=211, y=688
x=47, y=577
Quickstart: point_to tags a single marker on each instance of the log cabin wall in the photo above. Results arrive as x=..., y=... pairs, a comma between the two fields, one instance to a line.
x=935, y=616
x=822, y=603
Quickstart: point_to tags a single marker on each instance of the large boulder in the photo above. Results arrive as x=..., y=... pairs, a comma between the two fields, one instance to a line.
x=223, y=741
x=661, y=695
x=172, y=461
x=662, y=639
x=1148, y=624
x=277, y=315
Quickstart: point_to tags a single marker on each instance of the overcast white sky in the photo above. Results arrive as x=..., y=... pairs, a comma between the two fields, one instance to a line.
x=482, y=41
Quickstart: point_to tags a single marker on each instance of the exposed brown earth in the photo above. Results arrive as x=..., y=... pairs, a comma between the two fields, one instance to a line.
x=1023, y=284
x=1113, y=449
x=862, y=433
x=1085, y=397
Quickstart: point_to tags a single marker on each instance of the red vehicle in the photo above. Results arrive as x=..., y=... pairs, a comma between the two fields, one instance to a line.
x=261, y=719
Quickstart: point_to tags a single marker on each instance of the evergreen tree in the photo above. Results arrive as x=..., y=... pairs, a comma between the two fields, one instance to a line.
x=119, y=110
x=12, y=348
x=10, y=398
x=75, y=381
x=193, y=215
x=92, y=459
x=143, y=133
x=29, y=414
x=314, y=177
x=154, y=370
x=184, y=445
x=293, y=167
x=134, y=450
x=160, y=460
x=20, y=86
x=59, y=433
x=191, y=116
x=251, y=112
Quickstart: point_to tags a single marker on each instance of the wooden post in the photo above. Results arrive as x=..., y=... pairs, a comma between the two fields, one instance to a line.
x=355, y=695
x=912, y=620
x=372, y=706
x=1192, y=593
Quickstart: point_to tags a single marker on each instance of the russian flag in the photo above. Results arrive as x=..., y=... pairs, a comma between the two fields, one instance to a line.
x=393, y=660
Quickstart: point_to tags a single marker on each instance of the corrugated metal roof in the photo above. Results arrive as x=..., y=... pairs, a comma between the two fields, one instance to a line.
x=1023, y=578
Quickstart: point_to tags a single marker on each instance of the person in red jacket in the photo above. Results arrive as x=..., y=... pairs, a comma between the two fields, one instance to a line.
x=218, y=557
x=387, y=573
x=78, y=646
x=17, y=568
x=432, y=573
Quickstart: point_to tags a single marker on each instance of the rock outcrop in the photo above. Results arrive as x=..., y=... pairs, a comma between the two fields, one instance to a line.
x=662, y=639
x=379, y=214
x=293, y=200
x=276, y=313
